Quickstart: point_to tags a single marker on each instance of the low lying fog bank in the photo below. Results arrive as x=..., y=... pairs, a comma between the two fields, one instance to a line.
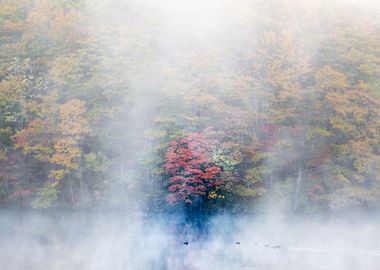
x=114, y=240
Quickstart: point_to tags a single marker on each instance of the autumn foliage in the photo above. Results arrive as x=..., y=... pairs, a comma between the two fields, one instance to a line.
x=289, y=104
x=192, y=175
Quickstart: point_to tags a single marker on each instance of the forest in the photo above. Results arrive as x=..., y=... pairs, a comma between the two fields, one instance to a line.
x=257, y=107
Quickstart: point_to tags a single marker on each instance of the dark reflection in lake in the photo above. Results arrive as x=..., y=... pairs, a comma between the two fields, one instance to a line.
x=115, y=241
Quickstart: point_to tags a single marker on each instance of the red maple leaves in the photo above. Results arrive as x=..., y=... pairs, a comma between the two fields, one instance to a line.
x=192, y=174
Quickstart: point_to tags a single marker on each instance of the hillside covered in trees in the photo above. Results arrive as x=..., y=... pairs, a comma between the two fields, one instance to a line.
x=256, y=106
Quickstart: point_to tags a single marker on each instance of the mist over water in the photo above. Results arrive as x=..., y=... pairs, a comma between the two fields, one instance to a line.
x=161, y=47
x=115, y=240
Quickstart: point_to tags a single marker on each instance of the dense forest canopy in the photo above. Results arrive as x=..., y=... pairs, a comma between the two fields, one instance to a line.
x=159, y=105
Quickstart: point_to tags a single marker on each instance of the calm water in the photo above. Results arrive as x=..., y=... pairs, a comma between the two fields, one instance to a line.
x=116, y=241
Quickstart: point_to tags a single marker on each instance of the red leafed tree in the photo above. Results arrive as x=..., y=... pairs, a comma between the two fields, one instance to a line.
x=192, y=174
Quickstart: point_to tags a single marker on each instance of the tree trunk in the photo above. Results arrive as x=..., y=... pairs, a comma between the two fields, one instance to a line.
x=298, y=186
x=71, y=191
x=271, y=179
x=81, y=187
x=80, y=180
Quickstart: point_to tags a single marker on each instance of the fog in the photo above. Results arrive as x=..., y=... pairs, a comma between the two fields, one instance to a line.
x=162, y=55
x=115, y=240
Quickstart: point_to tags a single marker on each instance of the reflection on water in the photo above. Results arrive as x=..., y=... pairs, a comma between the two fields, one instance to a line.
x=97, y=241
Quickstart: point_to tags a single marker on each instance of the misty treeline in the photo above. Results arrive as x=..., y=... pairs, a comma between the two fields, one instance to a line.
x=273, y=105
